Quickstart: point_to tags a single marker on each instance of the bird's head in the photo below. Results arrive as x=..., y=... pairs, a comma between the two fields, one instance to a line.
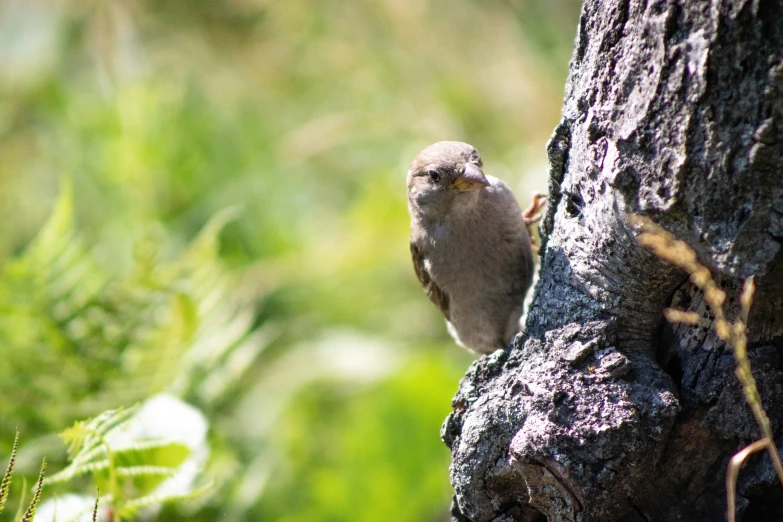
x=443, y=173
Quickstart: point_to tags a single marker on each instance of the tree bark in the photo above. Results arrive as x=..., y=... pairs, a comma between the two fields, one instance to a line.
x=601, y=410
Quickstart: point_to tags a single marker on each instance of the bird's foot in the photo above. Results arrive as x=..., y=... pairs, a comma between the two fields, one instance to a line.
x=532, y=214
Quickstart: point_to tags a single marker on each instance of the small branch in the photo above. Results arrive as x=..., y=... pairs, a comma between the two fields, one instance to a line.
x=733, y=471
x=680, y=254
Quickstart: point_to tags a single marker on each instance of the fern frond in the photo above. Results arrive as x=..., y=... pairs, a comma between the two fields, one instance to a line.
x=71, y=472
x=29, y=515
x=236, y=358
x=162, y=452
x=115, y=336
x=205, y=246
x=74, y=438
x=131, y=461
x=60, y=224
x=86, y=441
x=145, y=471
x=150, y=444
x=5, y=486
x=84, y=436
x=132, y=507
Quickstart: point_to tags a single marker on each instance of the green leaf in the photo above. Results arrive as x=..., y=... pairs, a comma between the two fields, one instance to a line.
x=160, y=453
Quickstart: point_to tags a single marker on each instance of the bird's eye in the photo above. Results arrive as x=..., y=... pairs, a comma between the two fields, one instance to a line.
x=434, y=176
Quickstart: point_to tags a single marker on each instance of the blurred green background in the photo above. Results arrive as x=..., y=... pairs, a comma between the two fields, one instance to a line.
x=295, y=325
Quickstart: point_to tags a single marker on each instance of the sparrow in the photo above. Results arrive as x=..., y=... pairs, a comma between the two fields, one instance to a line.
x=470, y=244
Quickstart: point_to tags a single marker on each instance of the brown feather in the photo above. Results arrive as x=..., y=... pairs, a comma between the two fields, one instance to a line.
x=438, y=297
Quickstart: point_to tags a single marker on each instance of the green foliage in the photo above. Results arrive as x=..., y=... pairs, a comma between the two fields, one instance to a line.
x=6, y=483
x=131, y=508
x=116, y=336
x=160, y=115
x=29, y=514
x=112, y=337
x=131, y=474
x=387, y=429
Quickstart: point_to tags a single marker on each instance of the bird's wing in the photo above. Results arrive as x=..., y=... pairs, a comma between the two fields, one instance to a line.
x=436, y=295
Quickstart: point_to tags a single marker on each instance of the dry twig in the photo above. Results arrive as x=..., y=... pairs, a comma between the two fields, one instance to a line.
x=680, y=254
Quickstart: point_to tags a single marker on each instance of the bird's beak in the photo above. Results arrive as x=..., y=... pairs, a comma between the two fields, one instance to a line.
x=471, y=179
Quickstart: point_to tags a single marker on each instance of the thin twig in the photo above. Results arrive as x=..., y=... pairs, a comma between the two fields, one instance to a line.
x=733, y=470
x=680, y=254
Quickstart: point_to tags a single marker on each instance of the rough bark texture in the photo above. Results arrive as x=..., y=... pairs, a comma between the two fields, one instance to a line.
x=601, y=411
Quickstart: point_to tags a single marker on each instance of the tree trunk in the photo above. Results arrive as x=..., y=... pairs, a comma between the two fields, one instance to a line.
x=602, y=410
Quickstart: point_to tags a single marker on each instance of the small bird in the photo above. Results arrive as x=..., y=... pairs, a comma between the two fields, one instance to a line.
x=470, y=244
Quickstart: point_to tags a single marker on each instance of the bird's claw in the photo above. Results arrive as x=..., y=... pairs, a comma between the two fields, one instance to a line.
x=532, y=214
